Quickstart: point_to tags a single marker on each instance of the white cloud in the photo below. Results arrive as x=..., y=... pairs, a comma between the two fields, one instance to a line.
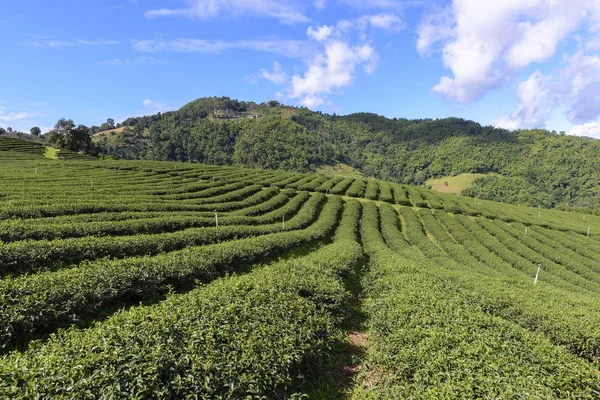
x=21, y=116
x=12, y=116
x=535, y=105
x=278, y=76
x=331, y=71
x=538, y=39
x=124, y=62
x=61, y=44
x=343, y=28
x=156, y=107
x=386, y=22
x=486, y=42
x=591, y=129
x=578, y=86
x=506, y=122
x=286, y=48
x=362, y=4
x=319, y=34
x=575, y=88
x=97, y=42
x=320, y=4
x=285, y=11
x=57, y=44
x=345, y=49
x=435, y=27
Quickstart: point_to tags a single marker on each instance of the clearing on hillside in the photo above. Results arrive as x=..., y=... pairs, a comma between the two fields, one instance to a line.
x=109, y=131
x=453, y=184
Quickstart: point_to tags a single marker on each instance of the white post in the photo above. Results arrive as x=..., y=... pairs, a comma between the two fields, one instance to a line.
x=588, y=231
x=539, y=213
x=36, y=168
x=216, y=219
x=526, y=229
x=537, y=274
x=91, y=184
x=283, y=221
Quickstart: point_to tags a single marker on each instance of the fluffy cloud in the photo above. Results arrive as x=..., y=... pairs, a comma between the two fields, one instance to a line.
x=535, y=104
x=319, y=34
x=575, y=87
x=386, y=22
x=485, y=42
x=435, y=27
x=506, y=122
x=591, y=129
x=333, y=54
x=344, y=28
x=578, y=87
x=345, y=50
x=330, y=71
x=278, y=76
x=285, y=11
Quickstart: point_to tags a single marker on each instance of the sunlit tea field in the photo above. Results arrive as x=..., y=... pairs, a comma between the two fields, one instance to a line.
x=139, y=279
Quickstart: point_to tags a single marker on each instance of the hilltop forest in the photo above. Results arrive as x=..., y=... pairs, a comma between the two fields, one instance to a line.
x=530, y=167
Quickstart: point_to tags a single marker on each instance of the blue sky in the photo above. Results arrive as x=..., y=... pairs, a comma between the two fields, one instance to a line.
x=511, y=63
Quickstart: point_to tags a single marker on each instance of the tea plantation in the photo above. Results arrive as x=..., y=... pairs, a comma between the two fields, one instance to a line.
x=140, y=279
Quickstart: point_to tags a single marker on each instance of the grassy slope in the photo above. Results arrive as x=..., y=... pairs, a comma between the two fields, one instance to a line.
x=455, y=184
x=51, y=153
x=340, y=169
x=107, y=132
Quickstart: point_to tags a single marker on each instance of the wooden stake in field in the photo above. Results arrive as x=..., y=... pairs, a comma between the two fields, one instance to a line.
x=283, y=221
x=92, y=185
x=588, y=231
x=526, y=229
x=537, y=274
x=216, y=219
x=36, y=168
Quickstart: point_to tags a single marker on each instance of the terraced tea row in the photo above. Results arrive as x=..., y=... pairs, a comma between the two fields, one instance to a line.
x=245, y=293
x=169, y=180
x=238, y=335
x=433, y=338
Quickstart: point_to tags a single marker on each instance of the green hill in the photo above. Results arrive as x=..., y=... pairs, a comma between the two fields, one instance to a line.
x=145, y=279
x=535, y=167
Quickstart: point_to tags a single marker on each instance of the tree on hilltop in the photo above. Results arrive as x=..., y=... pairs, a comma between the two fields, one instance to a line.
x=68, y=136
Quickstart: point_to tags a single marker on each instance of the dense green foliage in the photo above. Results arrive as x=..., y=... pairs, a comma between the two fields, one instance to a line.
x=537, y=167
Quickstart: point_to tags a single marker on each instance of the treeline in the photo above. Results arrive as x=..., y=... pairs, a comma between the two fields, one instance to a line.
x=533, y=167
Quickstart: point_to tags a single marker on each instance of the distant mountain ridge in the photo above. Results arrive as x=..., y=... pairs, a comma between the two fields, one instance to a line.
x=532, y=167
